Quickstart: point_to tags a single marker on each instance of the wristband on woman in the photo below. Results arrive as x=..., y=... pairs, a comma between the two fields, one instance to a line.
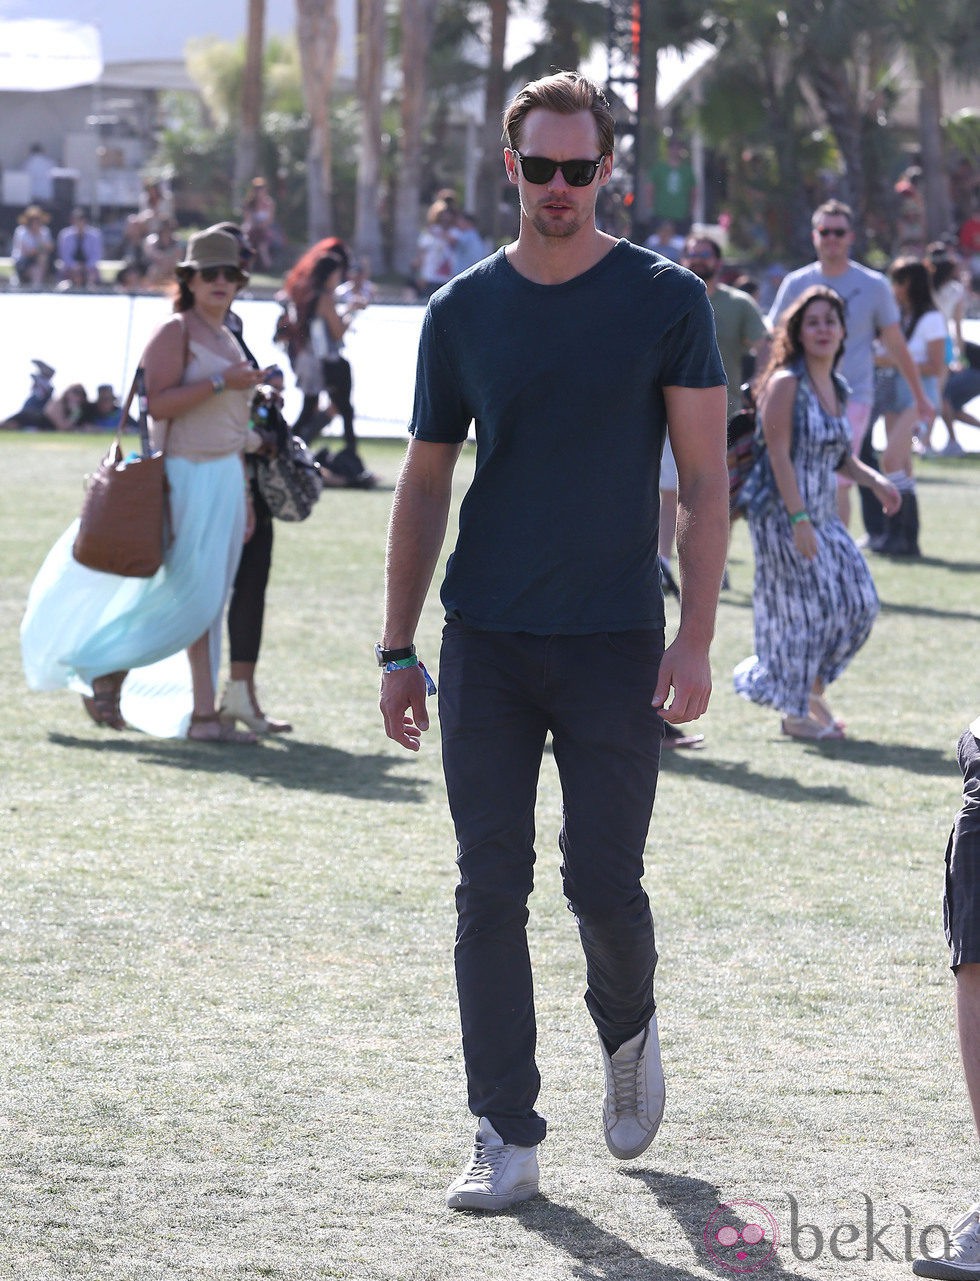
x=799, y=516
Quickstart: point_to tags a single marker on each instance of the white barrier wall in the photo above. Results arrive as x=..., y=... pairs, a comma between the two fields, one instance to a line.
x=98, y=338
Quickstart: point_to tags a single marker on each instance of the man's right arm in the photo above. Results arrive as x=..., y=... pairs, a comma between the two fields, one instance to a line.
x=416, y=531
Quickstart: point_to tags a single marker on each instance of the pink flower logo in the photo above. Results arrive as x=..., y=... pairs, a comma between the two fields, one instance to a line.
x=741, y=1236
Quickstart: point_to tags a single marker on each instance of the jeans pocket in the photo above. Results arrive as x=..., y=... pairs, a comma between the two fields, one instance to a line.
x=640, y=645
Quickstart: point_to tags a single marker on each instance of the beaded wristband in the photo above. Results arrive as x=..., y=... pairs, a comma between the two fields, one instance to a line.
x=799, y=516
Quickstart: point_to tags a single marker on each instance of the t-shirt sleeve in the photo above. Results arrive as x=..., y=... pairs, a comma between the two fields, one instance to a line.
x=690, y=351
x=784, y=296
x=932, y=326
x=440, y=413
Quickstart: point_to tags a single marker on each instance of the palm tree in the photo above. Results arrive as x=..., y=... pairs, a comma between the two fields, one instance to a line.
x=371, y=42
x=417, y=21
x=488, y=182
x=247, y=141
x=939, y=35
x=316, y=33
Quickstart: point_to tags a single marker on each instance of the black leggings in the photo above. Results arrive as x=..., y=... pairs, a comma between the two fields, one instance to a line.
x=339, y=384
x=246, y=609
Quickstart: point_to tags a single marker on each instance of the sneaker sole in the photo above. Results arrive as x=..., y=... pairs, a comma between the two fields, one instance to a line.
x=490, y=1202
x=944, y=1271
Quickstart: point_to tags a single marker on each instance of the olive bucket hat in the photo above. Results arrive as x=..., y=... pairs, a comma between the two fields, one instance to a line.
x=210, y=249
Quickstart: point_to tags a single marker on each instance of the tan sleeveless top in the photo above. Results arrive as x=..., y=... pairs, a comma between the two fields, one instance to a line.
x=217, y=427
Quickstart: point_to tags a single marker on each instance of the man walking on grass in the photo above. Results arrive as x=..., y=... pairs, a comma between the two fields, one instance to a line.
x=572, y=352
x=872, y=312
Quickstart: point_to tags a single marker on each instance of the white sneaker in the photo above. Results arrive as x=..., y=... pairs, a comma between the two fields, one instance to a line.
x=953, y=449
x=635, y=1093
x=962, y=1260
x=498, y=1176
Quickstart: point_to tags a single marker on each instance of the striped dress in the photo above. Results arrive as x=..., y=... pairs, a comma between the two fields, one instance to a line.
x=810, y=617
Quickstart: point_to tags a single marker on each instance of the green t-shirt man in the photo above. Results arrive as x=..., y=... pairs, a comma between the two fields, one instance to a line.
x=739, y=325
x=673, y=188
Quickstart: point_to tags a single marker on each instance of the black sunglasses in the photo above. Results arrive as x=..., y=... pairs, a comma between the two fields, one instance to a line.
x=539, y=169
x=839, y=232
x=232, y=274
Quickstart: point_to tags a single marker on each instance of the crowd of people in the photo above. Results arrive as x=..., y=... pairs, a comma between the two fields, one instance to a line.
x=149, y=246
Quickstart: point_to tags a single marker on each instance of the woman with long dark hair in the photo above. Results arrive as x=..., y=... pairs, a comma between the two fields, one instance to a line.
x=314, y=340
x=814, y=601
x=85, y=630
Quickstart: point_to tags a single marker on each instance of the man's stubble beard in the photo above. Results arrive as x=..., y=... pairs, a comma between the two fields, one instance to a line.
x=553, y=229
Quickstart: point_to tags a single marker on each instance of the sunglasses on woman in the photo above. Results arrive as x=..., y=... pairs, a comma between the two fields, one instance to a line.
x=231, y=274
x=539, y=169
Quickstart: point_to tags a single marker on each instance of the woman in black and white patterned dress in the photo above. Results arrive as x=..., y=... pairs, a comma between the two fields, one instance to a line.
x=814, y=601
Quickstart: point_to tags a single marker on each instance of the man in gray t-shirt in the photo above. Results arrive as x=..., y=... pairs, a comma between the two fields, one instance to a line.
x=871, y=313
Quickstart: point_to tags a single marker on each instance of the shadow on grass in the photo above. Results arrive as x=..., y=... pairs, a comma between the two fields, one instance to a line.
x=779, y=787
x=281, y=762
x=929, y=611
x=600, y=1255
x=693, y=1202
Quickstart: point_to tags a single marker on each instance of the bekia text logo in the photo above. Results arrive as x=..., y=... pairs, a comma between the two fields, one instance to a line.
x=742, y=1236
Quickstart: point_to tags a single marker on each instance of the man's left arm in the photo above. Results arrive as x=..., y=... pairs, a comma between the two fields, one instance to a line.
x=696, y=424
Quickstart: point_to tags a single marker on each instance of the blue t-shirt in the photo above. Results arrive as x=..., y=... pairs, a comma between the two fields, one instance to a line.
x=558, y=530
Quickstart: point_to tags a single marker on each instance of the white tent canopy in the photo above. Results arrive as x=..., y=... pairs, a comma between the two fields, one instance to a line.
x=38, y=55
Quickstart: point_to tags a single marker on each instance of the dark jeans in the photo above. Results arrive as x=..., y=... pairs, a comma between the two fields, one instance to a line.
x=499, y=696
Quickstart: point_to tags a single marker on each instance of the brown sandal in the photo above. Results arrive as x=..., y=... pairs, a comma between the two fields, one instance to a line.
x=103, y=705
x=217, y=731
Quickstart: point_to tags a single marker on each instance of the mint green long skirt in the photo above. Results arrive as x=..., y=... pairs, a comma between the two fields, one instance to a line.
x=81, y=624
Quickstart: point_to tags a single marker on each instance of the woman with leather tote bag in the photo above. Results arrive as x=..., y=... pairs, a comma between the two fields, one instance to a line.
x=86, y=630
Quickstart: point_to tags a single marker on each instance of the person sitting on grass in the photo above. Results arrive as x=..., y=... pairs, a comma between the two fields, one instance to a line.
x=31, y=415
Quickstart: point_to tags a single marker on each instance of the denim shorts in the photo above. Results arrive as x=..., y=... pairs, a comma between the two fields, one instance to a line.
x=892, y=392
x=961, y=901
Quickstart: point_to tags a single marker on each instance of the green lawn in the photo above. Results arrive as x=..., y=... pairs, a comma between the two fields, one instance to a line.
x=228, y=1027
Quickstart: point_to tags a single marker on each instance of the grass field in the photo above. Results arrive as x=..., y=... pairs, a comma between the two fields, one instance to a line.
x=228, y=1028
